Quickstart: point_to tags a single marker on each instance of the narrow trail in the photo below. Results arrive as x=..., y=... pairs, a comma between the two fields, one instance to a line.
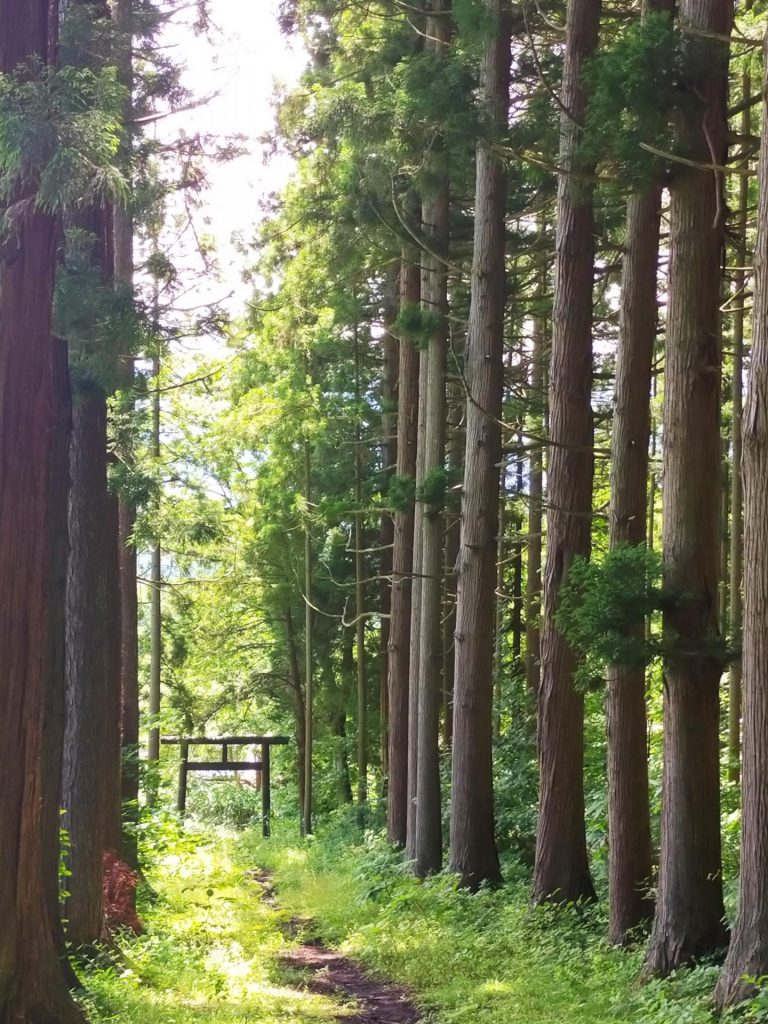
x=331, y=973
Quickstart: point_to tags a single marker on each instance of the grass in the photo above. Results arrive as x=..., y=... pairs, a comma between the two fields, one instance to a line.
x=490, y=957
x=210, y=954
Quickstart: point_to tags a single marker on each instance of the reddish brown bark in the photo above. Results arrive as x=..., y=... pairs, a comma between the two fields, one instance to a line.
x=129, y=611
x=33, y=434
x=689, y=911
x=87, y=626
x=748, y=953
x=561, y=869
x=473, y=846
x=428, y=846
x=629, y=825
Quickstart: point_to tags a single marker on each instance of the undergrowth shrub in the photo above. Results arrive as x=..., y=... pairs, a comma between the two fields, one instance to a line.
x=224, y=803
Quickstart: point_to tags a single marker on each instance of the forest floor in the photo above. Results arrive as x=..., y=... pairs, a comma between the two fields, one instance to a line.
x=324, y=970
x=218, y=949
x=333, y=928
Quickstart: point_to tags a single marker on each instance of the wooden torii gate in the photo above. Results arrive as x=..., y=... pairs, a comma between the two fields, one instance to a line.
x=225, y=765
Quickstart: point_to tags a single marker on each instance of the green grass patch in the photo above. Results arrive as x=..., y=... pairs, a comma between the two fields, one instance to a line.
x=211, y=950
x=490, y=957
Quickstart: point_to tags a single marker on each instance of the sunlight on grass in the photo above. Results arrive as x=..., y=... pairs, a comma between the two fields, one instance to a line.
x=489, y=957
x=210, y=954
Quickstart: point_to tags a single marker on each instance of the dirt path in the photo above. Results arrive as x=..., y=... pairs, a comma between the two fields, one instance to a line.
x=330, y=973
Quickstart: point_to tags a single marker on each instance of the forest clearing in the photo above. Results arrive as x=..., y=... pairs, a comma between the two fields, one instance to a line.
x=383, y=511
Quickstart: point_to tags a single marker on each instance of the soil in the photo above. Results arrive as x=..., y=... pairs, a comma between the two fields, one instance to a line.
x=330, y=973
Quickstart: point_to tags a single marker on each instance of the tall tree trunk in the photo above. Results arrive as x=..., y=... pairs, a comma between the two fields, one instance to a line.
x=402, y=567
x=308, y=660
x=294, y=674
x=156, y=599
x=414, y=676
x=734, y=608
x=455, y=469
x=748, y=954
x=129, y=610
x=339, y=714
x=630, y=853
x=535, y=495
x=629, y=823
x=86, y=668
x=561, y=869
x=362, y=679
x=499, y=639
x=91, y=767
x=689, y=911
x=389, y=399
x=428, y=852
x=473, y=846
x=33, y=446
x=517, y=560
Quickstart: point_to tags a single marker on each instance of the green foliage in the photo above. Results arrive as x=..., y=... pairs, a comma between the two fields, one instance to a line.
x=416, y=324
x=225, y=803
x=603, y=605
x=433, y=488
x=634, y=86
x=60, y=132
x=100, y=323
x=401, y=493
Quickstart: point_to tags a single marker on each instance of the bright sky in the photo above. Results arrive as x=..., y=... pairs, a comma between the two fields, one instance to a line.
x=243, y=62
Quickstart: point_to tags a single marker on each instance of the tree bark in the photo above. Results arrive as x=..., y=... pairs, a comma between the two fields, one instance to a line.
x=414, y=676
x=561, y=871
x=156, y=600
x=362, y=676
x=748, y=953
x=516, y=625
x=428, y=852
x=87, y=670
x=129, y=608
x=455, y=469
x=629, y=823
x=34, y=425
x=294, y=675
x=402, y=568
x=535, y=499
x=389, y=399
x=308, y=659
x=473, y=846
x=688, y=922
x=734, y=607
